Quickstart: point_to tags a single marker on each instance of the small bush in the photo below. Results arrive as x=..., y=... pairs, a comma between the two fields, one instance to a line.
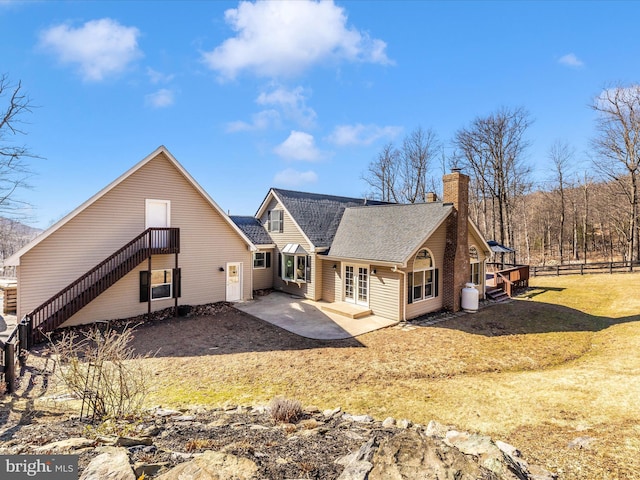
x=101, y=367
x=285, y=410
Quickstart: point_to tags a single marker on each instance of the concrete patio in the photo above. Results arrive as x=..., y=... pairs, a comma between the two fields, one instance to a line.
x=308, y=319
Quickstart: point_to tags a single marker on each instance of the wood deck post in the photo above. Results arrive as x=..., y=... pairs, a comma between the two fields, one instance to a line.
x=10, y=366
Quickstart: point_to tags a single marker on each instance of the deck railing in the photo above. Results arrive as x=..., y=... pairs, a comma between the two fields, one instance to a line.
x=511, y=279
x=68, y=301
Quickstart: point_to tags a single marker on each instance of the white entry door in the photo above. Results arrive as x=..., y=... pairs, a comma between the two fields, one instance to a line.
x=158, y=214
x=234, y=282
x=356, y=284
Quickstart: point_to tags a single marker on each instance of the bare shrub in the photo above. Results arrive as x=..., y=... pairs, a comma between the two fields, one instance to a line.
x=285, y=410
x=198, y=444
x=101, y=368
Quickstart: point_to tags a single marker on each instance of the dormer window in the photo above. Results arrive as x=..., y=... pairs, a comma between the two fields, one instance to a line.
x=274, y=218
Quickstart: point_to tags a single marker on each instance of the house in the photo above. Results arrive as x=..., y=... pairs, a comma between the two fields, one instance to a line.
x=397, y=261
x=151, y=239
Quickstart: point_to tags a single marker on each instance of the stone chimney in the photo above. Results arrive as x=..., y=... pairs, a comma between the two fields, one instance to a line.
x=456, y=254
x=432, y=197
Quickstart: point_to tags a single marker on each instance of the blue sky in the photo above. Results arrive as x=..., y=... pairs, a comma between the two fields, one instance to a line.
x=294, y=94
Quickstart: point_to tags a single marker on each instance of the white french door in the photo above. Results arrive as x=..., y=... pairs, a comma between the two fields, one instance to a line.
x=356, y=284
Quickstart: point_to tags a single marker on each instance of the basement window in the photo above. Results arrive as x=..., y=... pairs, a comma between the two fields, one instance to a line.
x=161, y=284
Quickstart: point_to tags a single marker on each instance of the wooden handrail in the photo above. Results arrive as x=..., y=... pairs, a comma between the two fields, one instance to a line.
x=504, y=279
x=61, y=306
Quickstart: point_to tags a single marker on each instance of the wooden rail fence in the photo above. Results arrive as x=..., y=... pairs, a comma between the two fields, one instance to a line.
x=584, y=268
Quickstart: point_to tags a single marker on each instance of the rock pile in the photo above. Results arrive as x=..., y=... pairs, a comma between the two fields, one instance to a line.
x=246, y=443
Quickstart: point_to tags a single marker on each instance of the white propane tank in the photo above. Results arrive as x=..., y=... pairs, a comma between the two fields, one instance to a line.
x=470, y=298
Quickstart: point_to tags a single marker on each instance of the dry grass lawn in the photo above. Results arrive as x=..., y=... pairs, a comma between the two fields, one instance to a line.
x=561, y=362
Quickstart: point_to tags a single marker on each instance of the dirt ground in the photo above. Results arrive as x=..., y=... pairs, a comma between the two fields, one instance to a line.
x=521, y=372
x=228, y=331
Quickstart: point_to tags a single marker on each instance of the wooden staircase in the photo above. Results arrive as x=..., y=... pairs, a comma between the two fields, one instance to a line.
x=68, y=301
x=497, y=295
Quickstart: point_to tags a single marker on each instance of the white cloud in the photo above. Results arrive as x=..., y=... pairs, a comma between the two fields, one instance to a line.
x=284, y=38
x=293, y=104
x=299, y=146
x=570, y=60
x=160, y=99
x=259, y=121
x=289, y=104
x=294, y=178
x=619, y=100
x=99, y=47
x=159, y=77
x=359, y=134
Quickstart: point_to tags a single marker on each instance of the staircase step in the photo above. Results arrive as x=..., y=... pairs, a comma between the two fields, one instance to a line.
x=497, y=295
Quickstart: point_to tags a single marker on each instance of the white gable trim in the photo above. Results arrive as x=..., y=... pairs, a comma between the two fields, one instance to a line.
x=273, y=195
x=485, y=245
x=14, y=260
x=424, y=240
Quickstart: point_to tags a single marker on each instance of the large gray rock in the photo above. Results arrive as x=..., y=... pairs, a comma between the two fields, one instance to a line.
x=411, y=455
x=489, y=455
x=213, y=466
x=65, y=445
x=358, y=465
x=112, y=464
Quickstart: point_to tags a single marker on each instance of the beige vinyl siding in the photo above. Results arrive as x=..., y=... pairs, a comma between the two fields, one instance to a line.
x=331, y=281
x=317, y=268
x=436, y=245
x=207, y=243
x=478, y=243
x=290, y=234
x=384, y=288
x=263, y=277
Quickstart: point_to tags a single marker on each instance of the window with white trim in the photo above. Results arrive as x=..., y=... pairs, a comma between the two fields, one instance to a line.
x=294, y=268
x=161, y=283
x=422, y=282
x=261, y=260
x=274, y=218
x=475, y=266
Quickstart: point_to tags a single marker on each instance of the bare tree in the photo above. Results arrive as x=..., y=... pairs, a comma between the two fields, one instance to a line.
x=382, y=174
x=404, y=175
x=561, y=154
x=585, y=185
x=419, y=149
x=492, y=149
x=14, y=171
x=617, y=148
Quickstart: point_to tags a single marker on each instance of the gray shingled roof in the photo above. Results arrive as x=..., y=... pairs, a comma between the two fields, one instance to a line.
x=319, y=215
x=253, y=229
x=389, y=233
